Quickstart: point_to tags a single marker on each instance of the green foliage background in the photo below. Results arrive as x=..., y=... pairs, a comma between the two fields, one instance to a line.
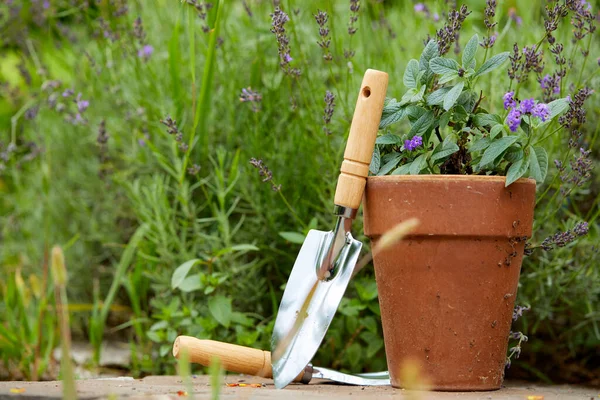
x=225, y=217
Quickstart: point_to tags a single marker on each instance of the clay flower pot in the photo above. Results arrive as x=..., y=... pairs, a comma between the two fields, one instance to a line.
x=447, y=291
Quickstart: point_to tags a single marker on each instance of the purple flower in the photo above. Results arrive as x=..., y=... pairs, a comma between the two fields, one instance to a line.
x=527, y=105
x=512, y=13
x=549, y=82
x=46, y=4
x=82, y=105
x=287, y=58
x=420, y=7
x=68, y=93
x=145, y=52
x=509, y=100
x=514, y=119
x=436, y=17
x=413, y=143
x=541, y=111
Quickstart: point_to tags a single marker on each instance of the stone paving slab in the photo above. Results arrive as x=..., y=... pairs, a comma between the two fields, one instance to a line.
x=167, y=387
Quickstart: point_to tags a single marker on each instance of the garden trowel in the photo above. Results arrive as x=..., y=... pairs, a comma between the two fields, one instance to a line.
x=246, y=360
x=326, y=260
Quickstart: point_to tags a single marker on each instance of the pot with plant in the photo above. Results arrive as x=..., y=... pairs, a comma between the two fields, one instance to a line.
x=447, y=292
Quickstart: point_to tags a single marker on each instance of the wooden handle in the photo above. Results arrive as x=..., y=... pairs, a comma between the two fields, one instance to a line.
x=363, y=131
x=234, y=358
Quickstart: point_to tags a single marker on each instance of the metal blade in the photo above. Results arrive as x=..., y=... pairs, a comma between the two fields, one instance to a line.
x=309, y=304
x=369, y=379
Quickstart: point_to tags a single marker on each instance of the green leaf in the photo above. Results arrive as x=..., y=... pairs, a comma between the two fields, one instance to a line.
x=354, y=355
x=437, y=98
x=191, y=284
x=496, y=149
x=446, y=149
x=492, y=64
x=452, y=95
x=367, y=290
x=293, y=237
x=557, y=107
x=411, y=74
x=388, y=139
x=430, y=51
x=513, y=154
x=219, y=307
x=450, y=76
x=517, y=170
x=402, y=170
x=542, y=161
x=154, y=336
x=421, y=125
x=390, y=118
x=480, y=145
x=496, y=129
x=244, y=247
x=483, y=119
x=445, y=119
x=181, y=272
x=441, y=65
x=468, y=56
x=391, y=164
x=414, y=113
x=418, y=164
x=375, y=160
x=418, y=95
x=535, y=171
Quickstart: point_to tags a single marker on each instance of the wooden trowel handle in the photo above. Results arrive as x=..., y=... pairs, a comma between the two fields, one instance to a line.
x=234, y=358
x=363, y=131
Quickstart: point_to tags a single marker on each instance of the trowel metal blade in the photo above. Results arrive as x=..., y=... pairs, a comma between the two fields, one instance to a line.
x=312, y=300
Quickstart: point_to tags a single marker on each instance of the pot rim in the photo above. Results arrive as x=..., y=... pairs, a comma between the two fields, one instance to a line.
x=444, y=177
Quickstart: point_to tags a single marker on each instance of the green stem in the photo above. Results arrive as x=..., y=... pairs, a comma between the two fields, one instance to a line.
x=302, y=223
x=585, y=58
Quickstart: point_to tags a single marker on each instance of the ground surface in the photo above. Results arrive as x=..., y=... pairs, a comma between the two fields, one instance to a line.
x=158, y=387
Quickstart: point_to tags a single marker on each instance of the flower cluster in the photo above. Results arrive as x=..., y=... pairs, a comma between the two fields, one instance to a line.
x=518, y=311
x=202, y=10
x=321, y=17
x=103, y=157
x=329, y=108
x=581, y=170
x=584, y=21
x=145, y=50
x=172, y=129
x=512, y=14
x=450, y=32
x=561, y=239
x=521, y=64
x=81, y=106
x=250, y=96
x=412, y=144
x=278, y=21
x=265, y=172
x=525, y=107
x=490, y=13
x=354, y=7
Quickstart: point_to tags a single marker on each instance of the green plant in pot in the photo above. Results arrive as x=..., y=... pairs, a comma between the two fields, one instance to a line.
x=447, y=292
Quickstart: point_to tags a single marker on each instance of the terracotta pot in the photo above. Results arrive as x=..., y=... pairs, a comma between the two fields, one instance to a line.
x=447, y=291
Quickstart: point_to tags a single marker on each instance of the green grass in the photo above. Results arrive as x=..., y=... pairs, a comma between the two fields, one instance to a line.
x=59, y=198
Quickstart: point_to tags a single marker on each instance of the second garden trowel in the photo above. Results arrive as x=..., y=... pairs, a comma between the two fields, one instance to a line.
x=326, y=260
